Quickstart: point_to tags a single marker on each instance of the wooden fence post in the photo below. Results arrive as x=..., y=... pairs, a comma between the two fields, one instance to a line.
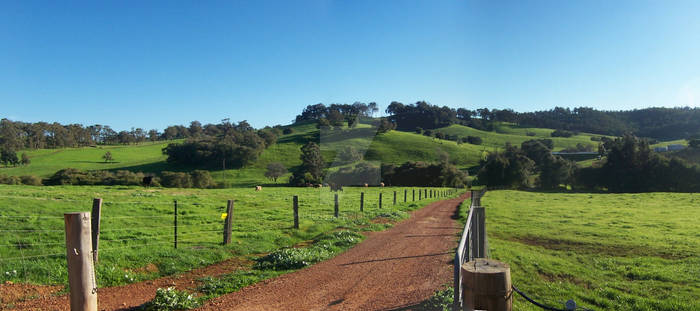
x=295, y=206
x=414, y=195
x=405, y=194
x=394, y=197
x=335, y=210
x=486, y=285
x=362, y=201
x=479, y=232
x=228, y=224
x=420, y=194
x=96, y=212
x=81, y=272
x=380, y=200
x=175, y=224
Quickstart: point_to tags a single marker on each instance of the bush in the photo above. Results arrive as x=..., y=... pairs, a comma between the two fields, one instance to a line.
x=175, y=179
x=287, y=131
x=292, y=258
x=528, y=133
x=30, y=180
x=10, y=180
x=71, y=176
x=474, y=140
x=202, y=179
x=562, y=133
x=170, y=299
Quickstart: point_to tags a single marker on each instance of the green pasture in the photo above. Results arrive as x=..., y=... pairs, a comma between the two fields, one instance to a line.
x=136, y=239
x=605, y=251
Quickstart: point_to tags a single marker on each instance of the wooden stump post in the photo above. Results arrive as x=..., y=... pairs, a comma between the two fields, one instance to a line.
x=380, y=200
x=96, y=212
x=335, y=209
x=295, y=206
x=362, y=201
x=405, y=194
x=414, y=195
x=486, y=285
x=228, y=223
x=81, y=272
x=394, y=197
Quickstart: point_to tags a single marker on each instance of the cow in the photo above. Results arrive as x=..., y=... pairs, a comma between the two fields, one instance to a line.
x=366, y=185
x=318, y=186
x=258, y=188
x=381, y=184
x=147, y=181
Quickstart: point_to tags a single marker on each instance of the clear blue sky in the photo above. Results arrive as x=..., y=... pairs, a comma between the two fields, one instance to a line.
x=151, y=64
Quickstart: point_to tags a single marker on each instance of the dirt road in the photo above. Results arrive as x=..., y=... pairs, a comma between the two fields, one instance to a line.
x=391, y=270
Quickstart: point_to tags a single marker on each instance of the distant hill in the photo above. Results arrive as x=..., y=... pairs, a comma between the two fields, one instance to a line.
x=391, y=147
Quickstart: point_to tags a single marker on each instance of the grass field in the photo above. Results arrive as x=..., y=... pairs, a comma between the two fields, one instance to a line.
x=136, y=241
x=606, y=251
x=516, y=135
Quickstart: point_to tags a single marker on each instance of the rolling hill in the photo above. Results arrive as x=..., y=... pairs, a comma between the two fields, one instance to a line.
x=392, y=147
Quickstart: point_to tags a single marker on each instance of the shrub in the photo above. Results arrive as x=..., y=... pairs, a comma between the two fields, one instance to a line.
x=202, y=179
x=474, y=140
x=287, y=131
x=170, y=299
x=528, y=133
x=562, y=133
x=10, y=180
x=175, y=179
x=292, y=258
x=30, y=180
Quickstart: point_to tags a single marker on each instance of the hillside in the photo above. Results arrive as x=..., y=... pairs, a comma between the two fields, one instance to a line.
x=392, y=147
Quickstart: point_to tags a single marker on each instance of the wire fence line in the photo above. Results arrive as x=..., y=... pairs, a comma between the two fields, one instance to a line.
x=23, y=238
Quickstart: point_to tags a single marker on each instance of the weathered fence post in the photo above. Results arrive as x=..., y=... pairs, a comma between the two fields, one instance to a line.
x=479, y=232
x=335, y=213
x=295, y=206
x=228, y=224
x=380, y=200
x=414, y=195
x=405, y=194
x=420, y=195
x=362, y=201
x=96, y=212
x=175, y=224
x=394, y=197
x=81, y=271
x=486, y=285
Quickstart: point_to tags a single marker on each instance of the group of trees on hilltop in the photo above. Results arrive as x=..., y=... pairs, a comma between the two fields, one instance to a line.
x=17, y=135
x=337, y=114
x=234, y=146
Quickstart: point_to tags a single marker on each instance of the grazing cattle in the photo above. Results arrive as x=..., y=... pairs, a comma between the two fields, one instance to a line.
x=366, y=185
x=258, y=188
x=318, y=186
x=381, y=184
x=147, y=181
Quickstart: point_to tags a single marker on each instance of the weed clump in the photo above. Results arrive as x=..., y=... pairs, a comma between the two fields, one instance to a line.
x=170, y=299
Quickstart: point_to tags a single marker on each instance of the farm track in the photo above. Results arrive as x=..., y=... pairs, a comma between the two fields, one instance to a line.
x=394, y=269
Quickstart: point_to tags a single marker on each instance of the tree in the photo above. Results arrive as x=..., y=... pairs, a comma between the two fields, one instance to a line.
x=385, y=125
x=555, y=171
x=311, y=170
x=25, y=159
x=509, y=168
x=349, y=155
x=8, y=156
x=275, y=170
x=108, y=157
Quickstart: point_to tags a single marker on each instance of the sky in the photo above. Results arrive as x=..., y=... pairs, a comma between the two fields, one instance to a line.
x=151, y=64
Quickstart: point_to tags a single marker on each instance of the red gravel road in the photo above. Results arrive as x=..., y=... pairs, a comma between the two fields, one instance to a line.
x=391, y=270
